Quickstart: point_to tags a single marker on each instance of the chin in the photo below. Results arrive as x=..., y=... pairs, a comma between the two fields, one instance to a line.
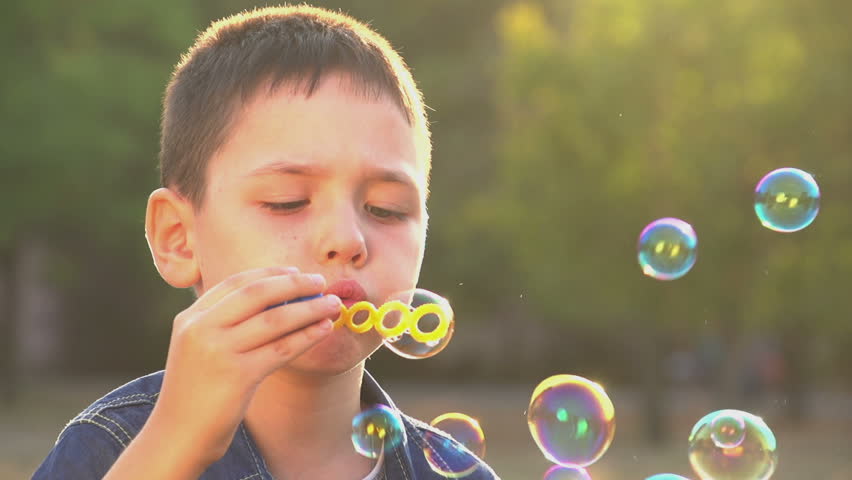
x=337, y=354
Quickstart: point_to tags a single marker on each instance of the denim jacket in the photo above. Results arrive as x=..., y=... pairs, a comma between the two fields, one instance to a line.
x=90, y=443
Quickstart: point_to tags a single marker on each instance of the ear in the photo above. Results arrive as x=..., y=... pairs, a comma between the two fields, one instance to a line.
x=169, y=222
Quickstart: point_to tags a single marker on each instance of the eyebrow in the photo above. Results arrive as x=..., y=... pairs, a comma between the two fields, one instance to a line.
x=287, y=168
x=374, y=174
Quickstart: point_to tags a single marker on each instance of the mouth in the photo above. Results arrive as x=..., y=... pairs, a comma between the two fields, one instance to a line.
x=349, y=291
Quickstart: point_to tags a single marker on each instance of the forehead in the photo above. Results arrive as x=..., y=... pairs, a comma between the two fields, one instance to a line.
x=336, y=128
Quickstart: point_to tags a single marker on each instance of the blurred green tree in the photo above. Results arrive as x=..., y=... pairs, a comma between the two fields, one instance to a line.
x=81, y=99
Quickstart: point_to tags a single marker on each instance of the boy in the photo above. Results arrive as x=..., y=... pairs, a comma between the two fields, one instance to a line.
x=295, y=158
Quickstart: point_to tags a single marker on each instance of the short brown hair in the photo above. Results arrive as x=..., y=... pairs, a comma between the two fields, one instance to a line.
x=295, y=45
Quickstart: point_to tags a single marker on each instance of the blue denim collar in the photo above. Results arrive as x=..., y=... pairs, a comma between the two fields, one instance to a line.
x=397, y=462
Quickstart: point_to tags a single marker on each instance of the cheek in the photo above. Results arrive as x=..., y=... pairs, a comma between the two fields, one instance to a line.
x=287, y=248
x=227, y=248
x=406, y=257
x=419, y=242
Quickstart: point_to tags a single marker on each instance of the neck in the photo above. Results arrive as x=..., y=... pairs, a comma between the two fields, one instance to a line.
x=301, y=421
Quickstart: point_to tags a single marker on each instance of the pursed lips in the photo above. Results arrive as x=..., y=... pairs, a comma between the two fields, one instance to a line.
x=348, y=290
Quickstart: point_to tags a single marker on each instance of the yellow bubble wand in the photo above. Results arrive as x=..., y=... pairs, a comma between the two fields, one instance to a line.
x=409, y=319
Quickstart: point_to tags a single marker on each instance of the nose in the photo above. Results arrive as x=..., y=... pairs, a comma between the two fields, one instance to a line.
x=341, y=240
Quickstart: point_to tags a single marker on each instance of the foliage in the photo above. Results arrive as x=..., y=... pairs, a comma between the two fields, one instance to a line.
x=615, y=113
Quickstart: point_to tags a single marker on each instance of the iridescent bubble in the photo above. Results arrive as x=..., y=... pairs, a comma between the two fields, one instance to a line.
x=376, y=428
x=727, y=429
x=428, y=313
x=558, y=472
x=455, y=460
x=571, y=419
x=447, y=457
x=463, y=429
x=754, y=458
x=786, y=200
x=666, y=476
x=667, y=248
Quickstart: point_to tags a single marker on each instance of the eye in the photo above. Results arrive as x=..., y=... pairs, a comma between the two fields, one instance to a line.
x=285, y=207
x=384, y=214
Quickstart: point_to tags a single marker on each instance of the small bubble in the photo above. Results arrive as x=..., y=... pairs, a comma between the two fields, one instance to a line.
x=376, y=428
x=454, y=460
x=754, y=457
x=786, y=200
x=667, y=249
x=727, y=429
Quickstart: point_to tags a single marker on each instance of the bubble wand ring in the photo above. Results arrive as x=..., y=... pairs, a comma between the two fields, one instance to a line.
x=393, y=306
x=410, y=320
x=439, y=332
x=347, y=317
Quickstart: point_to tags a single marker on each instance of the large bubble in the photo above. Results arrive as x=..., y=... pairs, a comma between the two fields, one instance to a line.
x=786, y=200
x=571, y=419
x=753, y=457
x=667, y=248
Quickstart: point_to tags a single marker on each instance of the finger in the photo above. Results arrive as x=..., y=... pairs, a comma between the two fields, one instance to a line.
x=257, y=296
x=236, y=281
x=271, y=325
x=300, y=299
x=279, y=352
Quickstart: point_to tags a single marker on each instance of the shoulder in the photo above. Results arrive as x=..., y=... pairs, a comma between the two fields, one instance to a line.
x=436, y=451
x=122, y=412
x=85, y=451
x=91, y=442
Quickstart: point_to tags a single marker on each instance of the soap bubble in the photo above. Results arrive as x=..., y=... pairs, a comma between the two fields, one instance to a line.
x=448, y=459
x=558, y=472
x=667, y=248
x=786, y=200
x=666, y=476
x=727, y=429
x=571, y=419
x=464, y=429
x=376, y=428
x=428, y=313
x=754, y=458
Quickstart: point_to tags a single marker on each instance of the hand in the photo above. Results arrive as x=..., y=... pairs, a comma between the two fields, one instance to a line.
x=226, y=343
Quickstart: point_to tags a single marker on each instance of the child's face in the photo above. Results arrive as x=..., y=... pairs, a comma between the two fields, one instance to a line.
x=330, y=184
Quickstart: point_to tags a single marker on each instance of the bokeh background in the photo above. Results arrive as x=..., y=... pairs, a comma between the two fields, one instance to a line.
x=561, y=128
